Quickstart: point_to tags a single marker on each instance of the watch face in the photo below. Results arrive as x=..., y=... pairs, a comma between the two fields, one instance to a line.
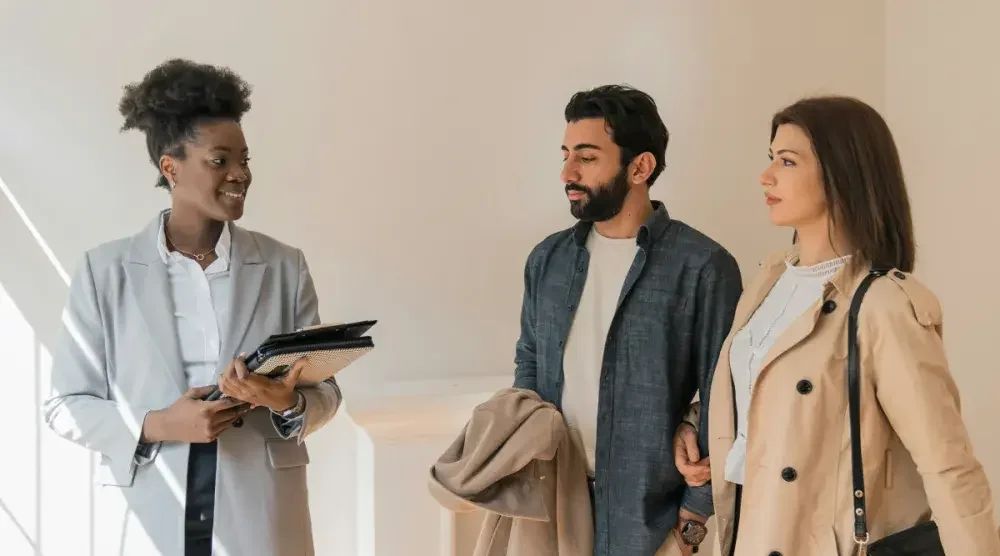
x=693, y=533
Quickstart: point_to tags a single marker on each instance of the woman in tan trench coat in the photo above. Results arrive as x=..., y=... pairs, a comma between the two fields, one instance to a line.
x=778, y=411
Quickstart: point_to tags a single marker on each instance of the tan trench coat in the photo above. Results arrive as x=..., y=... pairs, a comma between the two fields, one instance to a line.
x=516, y=460
x=917, y=455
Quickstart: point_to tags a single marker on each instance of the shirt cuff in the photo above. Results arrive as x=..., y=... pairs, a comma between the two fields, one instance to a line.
x=145, y=453
x=698, y=500
x=289, y=427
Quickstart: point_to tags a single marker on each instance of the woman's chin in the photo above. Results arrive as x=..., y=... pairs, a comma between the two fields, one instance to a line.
x=782, y=219
x=779, y=219
x=230, y=211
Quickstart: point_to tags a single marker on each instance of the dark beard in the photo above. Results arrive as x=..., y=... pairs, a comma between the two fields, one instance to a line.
x=601, y=203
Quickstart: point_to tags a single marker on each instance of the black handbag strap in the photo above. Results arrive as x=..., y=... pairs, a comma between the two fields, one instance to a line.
x=854, y=401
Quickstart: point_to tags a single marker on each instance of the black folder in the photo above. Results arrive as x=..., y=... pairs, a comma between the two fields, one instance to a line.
x=329, y=348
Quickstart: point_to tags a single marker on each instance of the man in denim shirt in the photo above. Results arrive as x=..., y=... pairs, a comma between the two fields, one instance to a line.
x=623, y=318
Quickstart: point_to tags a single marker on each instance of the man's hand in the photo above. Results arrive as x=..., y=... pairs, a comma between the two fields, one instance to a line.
x=683, y=516
x=276, y=394
x=191, y=420
x=687, y=457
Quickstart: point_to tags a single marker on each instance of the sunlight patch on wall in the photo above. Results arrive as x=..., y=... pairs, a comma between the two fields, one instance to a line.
x=46, y=491
x=19, y=504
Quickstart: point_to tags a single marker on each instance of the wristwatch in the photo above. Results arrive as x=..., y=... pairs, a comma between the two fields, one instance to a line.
x=297, y=409
x=693, y=532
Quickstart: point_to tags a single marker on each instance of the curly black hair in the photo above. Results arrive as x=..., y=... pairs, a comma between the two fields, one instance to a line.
x=632, y=118
x=176, y=96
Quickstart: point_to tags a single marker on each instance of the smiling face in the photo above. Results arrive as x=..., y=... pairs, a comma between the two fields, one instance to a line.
x=793, y=182
x=213, y=177
x=594, y=178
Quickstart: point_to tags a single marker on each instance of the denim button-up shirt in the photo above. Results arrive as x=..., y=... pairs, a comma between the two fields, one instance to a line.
x=675, y=310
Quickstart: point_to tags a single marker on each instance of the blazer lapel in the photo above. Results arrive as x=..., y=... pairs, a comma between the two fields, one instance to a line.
x=246, y=274
x=150, y=288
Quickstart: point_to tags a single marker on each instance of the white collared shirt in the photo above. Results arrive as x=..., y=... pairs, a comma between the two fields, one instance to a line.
x=201, y=305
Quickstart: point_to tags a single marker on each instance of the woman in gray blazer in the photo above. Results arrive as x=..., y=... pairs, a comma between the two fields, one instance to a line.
x=155, y=320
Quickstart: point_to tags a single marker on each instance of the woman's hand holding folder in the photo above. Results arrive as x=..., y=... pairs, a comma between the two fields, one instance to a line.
x=313, y=354
x=276, y=394
x=192, y=420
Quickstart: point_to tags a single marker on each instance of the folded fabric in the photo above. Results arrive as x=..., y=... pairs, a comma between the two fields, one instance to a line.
x=515, y=460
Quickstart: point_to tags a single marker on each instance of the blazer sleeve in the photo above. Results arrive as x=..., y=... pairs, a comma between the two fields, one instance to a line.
x=321, y=400
x=80, y=407
x=921, y=401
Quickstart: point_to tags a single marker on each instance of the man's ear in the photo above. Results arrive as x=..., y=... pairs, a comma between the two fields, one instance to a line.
x=641, y=168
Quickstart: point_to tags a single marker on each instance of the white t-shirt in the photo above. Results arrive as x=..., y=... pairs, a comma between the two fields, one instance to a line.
x=610, y=260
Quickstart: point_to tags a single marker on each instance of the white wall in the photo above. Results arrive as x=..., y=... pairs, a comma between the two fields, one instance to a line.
x=943, y=103
x=411, y=149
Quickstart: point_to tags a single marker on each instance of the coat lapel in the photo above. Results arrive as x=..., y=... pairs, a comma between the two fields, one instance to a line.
x=755, y=294
x=150, y=288
x=798, y=330
x=246, y=274
x=722, y=394
x=837, y=288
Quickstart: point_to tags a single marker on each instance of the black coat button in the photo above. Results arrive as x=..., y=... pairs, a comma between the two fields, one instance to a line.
x=789, y=474
x=804, y=386
x=238, y=422
x=899, y=275
x=829, y=306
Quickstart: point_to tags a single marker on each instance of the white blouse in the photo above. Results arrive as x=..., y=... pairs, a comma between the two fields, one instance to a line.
x=201, y=305
x=794, y=292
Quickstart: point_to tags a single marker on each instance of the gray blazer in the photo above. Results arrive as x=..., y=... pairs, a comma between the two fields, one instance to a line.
x=118, y=358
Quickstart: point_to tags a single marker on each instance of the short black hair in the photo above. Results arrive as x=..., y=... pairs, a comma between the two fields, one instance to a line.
x=176, y=96
x=632, y=119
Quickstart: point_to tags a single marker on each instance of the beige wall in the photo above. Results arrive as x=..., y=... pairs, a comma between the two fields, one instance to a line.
x=943, y=103
x=411, y=149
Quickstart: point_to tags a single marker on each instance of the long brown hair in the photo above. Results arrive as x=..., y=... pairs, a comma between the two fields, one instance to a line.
x=862, y=176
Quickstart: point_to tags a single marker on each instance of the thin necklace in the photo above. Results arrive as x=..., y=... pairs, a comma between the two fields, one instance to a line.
x=194, y=256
